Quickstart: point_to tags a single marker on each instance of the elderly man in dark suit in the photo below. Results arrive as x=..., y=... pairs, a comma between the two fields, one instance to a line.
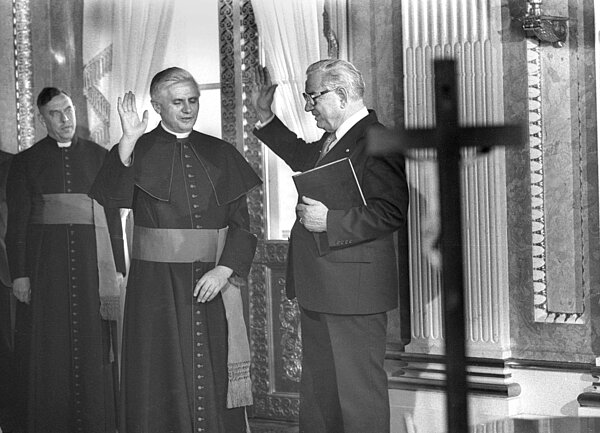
x=342, y=264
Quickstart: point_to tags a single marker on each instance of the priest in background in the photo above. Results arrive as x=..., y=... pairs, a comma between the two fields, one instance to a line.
x=65, y=268
x=342, y=265
x=7, y=372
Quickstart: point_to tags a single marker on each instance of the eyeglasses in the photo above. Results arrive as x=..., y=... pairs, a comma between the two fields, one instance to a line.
x=311, y=98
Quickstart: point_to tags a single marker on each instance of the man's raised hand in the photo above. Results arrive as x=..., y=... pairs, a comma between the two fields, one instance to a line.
x=262, y=91
x=133, y=127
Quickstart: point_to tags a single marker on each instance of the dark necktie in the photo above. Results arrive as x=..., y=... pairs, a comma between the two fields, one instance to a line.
x=327, y=146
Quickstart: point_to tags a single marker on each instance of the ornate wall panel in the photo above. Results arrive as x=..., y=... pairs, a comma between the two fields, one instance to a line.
x=557, y=253
x=8, y=89
x=468, y=31
x=24, y=73
x=273, y=320
x=553, y=190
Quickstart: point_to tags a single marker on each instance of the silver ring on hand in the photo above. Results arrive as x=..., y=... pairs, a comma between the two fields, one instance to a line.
x=301, y=220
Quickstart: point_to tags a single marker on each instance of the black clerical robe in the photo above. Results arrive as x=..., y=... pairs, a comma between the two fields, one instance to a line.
x=71, y=374
x=174, y=375
x=6, y=345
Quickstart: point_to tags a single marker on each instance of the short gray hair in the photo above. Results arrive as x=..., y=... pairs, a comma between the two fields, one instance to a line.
x=340, y=73
x=169, y=75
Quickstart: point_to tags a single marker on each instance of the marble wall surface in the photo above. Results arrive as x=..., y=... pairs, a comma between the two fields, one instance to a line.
x=531, y=213
x=552, y=189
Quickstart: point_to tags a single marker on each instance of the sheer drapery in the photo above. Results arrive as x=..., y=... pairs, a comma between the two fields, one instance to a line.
x=140, y=32
x=290, y=37
x=124, y=45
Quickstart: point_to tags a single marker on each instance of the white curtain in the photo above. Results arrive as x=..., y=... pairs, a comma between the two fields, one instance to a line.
x=290, y=37
x=124, y=45
x=140, y=31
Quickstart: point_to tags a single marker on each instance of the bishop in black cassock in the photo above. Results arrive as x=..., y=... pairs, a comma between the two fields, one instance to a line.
x=188, y=195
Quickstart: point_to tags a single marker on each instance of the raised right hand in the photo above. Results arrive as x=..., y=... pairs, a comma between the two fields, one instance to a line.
x=133, y=127
x=262, y=93
x=22, y=289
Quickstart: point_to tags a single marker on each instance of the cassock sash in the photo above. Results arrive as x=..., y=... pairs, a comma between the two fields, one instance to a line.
x=177, y=245
x=81, y=209
x=205, y=245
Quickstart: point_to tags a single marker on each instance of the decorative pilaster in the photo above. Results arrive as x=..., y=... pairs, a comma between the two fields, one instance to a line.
x=465, y=30
x=273, y=319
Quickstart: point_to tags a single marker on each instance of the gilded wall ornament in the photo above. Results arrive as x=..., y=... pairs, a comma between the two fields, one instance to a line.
x=24, y=73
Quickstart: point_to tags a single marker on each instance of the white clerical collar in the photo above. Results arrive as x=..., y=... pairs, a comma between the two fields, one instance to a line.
x=176, y=134
x=350, y=122
x=63, y=145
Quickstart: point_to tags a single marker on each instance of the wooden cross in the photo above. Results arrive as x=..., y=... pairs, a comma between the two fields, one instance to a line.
x=448, y=138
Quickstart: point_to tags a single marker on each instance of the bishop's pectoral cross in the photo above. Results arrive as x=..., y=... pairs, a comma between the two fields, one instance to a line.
x=448, y=138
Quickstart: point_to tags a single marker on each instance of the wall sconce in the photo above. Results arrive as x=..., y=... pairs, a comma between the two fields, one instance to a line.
x=544, y=27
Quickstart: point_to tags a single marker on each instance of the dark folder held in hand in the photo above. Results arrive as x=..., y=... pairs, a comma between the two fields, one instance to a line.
x=334, y=184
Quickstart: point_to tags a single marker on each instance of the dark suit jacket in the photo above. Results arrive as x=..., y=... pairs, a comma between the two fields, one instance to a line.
x=351, y=268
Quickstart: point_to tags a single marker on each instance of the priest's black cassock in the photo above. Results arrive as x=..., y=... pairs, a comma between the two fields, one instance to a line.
x=6, y=346
x=61, y=340
x=174, y=376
